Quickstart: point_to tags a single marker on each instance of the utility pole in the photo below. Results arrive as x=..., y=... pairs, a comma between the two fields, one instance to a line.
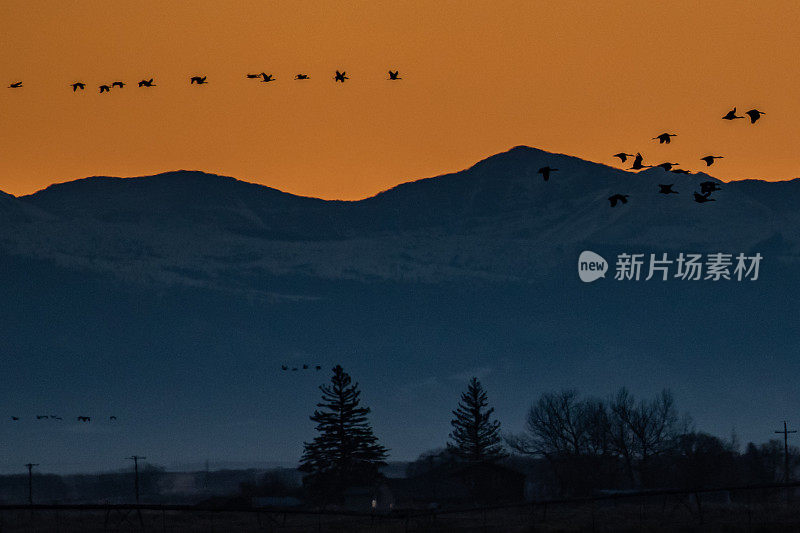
x=30, y=466
x=135, y=459
x=786, y=432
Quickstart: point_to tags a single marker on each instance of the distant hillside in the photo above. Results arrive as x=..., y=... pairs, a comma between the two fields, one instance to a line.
x=173, y=301
x=492, y=221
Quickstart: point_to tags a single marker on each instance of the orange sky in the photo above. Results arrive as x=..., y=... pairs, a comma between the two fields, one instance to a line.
x=588, y=78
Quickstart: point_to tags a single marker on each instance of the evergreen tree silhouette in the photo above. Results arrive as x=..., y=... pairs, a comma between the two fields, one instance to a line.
x=475, y=436
x=345, y=453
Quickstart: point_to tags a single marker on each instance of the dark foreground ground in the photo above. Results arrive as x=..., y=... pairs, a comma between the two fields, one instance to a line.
x=667, y=514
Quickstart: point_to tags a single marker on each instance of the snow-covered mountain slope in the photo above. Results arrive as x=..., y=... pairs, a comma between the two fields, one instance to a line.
x=496, y=220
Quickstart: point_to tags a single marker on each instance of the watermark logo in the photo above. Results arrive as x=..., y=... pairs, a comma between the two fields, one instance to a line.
x=591, y=266
x=683, y=266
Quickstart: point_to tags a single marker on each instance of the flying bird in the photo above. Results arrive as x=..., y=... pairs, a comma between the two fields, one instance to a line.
x=199, y=80
x=637, y=163
x=85, y=418
x=545, y=172
x=267, y=77
x=78, y=85
x=707, y=187
x=284, y=367
x=305, y=367
x=15, y=85
x=15, y=418
x=112, y=418
x=703, y=198
x=104, y=89
x=754, y=115
x=623, y=156
x=56, y=417
x=147, y=83
x=618, y=198
x=732, y=115
x=119, y=84
x=664, y=138
x=41, y=417
x=667, y=189
x=394, y=75
x=709, y=159
x=667, y=166
x=340, y=76
x=252, y=76
x=302, y=77
x=318, y=367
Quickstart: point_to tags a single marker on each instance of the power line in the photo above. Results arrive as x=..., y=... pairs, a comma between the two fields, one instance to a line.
x=786, y=432
x=30, y=466
x=135, y=459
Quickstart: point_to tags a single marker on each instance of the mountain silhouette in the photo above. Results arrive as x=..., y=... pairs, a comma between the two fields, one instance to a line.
x=190, y=217
x=147, y=297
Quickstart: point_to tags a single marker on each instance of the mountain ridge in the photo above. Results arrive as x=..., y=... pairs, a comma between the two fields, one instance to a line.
x=492, y=220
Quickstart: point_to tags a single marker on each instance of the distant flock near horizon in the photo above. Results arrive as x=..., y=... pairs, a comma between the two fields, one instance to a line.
x=706, y=187
x=338, y=77
x=111, y=418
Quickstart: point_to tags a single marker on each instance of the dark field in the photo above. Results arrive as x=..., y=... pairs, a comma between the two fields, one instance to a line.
x=658, y=513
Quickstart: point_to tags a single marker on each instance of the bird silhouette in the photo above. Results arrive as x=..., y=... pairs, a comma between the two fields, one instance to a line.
x=119, y=84
x=545, y=172
x=623, y=156
x=78, y=85
x=112, y=418
x=302, y=77
x=85, y=418
x=318, y=367
x=667, y=166
x=15, y=85
x=104, y=89
x=340, y=76
x=41, y=417
x=754, y=115
x=703, y=198
x=147, y=83
x=709, y=187
x=637, y=162
x=394, y=75
x=613, y=199
x=267, y=77
x=732, y=115
x=709, y=159
x=680, y=171
x=284, y=367
x=56, y=417
x=199, y=80
x=15, y=418
x=252, y=76
x=667, y=189
x=305, y=367
x=664, y=138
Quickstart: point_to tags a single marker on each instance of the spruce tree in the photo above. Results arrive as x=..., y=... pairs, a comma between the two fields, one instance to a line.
x=475, y=436
x=346, y=452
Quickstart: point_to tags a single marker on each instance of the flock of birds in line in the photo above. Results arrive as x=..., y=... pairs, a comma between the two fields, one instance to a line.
x=304, y=367
x=111, y=418
x=340, y=77
x=706, y=187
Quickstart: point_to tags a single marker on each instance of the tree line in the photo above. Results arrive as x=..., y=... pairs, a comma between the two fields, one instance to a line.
x=571, y=445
